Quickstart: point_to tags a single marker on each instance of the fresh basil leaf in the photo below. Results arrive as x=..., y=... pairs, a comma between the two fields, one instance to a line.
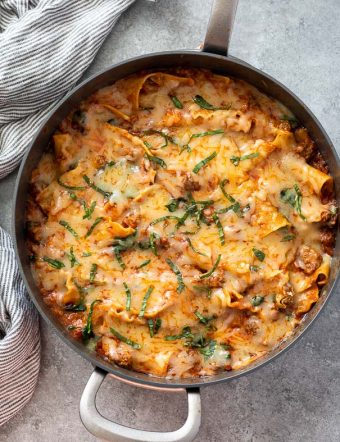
x=69, y=228
x=214, y=267
x=256, y=301
x=204, y=162
x=145, y=301
x=177, y=103
x=259, y=254
x=53, y=262
x=87, y=330
x=236, y=160
x=177, y=272
x=125, y=339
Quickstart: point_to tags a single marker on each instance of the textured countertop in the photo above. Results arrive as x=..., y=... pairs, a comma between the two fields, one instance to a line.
x=298, y=396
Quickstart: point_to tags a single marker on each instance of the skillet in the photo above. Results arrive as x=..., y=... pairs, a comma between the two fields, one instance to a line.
x=214, y=56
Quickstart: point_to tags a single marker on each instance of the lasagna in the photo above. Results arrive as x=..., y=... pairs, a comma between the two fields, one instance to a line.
x=181, y=223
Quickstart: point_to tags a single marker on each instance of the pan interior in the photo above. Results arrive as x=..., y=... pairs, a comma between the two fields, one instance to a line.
x=218, y=64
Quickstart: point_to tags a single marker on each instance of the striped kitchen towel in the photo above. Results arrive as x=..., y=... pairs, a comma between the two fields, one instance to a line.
x=45, y=46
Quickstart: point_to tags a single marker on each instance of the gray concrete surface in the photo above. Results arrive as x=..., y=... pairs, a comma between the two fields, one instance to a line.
x=297, y=398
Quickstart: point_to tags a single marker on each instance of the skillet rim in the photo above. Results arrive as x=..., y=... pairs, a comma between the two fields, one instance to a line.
x=22, y=182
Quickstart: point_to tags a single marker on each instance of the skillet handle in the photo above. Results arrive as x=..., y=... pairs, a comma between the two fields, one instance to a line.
x=105, y=429
x=220, y=26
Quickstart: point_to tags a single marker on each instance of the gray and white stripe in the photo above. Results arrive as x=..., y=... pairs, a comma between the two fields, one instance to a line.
x=45, y=46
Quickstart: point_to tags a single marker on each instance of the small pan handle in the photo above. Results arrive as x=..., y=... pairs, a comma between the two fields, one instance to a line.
x=220, y=26
x=105, y=429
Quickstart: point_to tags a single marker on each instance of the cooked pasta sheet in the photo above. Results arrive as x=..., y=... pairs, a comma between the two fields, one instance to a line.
x=181, y=223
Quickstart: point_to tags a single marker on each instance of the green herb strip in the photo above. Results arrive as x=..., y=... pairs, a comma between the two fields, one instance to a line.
x=96, y=222
x=125, y=339
x=293, y=197
x=70, y=187
x=167, y=138
x=71, y=256
x=186, y=333
x=259, y=254
x=220, y=228
x=177, y=272
x=75, y=308
x=157, y=160
x=164, y=218
x=236, y=160
x=214, y=267
x=69, y=228
x=53, y=262
x=153, y=237
x=144, y=263
x=87, y=330
x=204, y=162
x=116, y=251
x=86, y=254
x=203, y=288
x=89, y=210
x=256, y=301
x=203, y=104
x=154, y=326
x=199, y=135
x=289, y=118
x=208, y=350
x=145, y=301
x=201, y=318
x=91, y=184
x=93, y=272
x=229, y=197
x=289, y=237
x=253, y=268
x=177, y=103
x=128, y=297
x=193, y=248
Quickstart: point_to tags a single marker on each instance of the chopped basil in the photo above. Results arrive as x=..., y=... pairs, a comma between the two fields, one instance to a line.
x=229, y=197
x=289, y=118
x=253, y=268
x=93, y=272
x=75, y=307
x=153, y=237
x=174, y=203
x=214, y=267
x=86, y=254
x=125, y=339
x=289, y=237
x=163, y=218
x=177, y=103
x=202, y=103
x=220, y=228
x=293, y=197
x=128, y=297
x=53, y=262
x=203, y=319
x=89, y=210
x=116, y=251
x=145, y=301
x=87, y=330
x=72, y=258
x=259, y=254
x=166, y=137
x=199, y=135
x=256, y=301
x=186, y=333
x=208, y=350
x=90, y=183
x=144, y=263
x=157, y=160
x=204, y=162
x=70, y=187
x=203, y=288
x=236, y=160
x=193, y=248
x=96, y=222
x=154, y=326
x=177, y=272
x=69, y=228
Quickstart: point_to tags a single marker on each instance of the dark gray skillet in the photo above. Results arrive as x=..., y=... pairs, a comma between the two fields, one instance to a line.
x=214, y=56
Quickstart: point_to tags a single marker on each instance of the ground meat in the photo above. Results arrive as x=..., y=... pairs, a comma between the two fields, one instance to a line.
x=306, y=146
x=327, y=237
x=190, y=184
x=329, y=218
x=319, y=163
x=164, y=243
x=216, y=279
x=307, y=259
x=285, y=298
x=131, y=220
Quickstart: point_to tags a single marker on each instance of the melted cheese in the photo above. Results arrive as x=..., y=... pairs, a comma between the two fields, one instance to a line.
x=142, y=196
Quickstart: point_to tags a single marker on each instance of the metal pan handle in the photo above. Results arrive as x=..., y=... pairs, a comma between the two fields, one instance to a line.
x=220, y=26
x=105, y=429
